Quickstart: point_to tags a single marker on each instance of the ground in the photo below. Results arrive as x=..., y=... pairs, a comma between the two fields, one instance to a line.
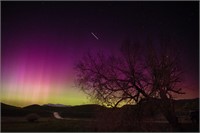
x=50, y=124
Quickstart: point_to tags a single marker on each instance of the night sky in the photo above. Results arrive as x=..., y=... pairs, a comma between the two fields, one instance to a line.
x=42, y=41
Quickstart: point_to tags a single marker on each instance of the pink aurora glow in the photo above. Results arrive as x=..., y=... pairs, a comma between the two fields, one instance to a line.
x=41, y=42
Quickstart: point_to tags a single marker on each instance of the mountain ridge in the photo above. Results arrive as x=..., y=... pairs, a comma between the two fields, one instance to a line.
x=90, y=110
x=63, y=105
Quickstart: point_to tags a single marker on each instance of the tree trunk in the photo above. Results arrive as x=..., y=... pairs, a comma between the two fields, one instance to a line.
x=167, y=108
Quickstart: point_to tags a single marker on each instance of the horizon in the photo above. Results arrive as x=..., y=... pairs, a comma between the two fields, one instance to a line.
x=46, y=104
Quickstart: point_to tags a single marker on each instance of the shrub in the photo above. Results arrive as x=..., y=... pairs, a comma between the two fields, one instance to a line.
x=32, y=117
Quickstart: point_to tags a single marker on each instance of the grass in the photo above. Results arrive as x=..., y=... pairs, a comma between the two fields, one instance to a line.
x=46, y=125
x=19, y=124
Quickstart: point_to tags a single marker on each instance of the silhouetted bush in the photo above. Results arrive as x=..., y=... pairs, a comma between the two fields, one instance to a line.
x=32, y=117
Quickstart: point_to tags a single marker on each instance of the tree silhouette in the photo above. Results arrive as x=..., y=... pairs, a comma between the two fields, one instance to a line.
x=165, y=78
x=135, y=75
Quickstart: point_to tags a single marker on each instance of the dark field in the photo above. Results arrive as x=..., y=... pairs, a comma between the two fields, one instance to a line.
x=44, y=125
x=19, y=124
x=94, y=118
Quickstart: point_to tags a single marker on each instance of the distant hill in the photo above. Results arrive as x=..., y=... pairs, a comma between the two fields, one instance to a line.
x=56, y=105
x=10, y=107
x=9, y=110
x=46, y=111
x=32, y=107
x=90, y=110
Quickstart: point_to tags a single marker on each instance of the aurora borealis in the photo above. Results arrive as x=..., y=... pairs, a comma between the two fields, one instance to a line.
x=41, y=42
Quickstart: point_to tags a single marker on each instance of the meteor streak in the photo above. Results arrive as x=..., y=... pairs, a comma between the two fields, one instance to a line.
x=94, y=35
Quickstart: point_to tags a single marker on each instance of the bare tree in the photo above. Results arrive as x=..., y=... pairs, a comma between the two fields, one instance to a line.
x=165, y=77
x=132, y=77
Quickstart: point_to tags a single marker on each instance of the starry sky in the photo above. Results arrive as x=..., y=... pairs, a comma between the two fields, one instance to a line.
x=42, y=41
